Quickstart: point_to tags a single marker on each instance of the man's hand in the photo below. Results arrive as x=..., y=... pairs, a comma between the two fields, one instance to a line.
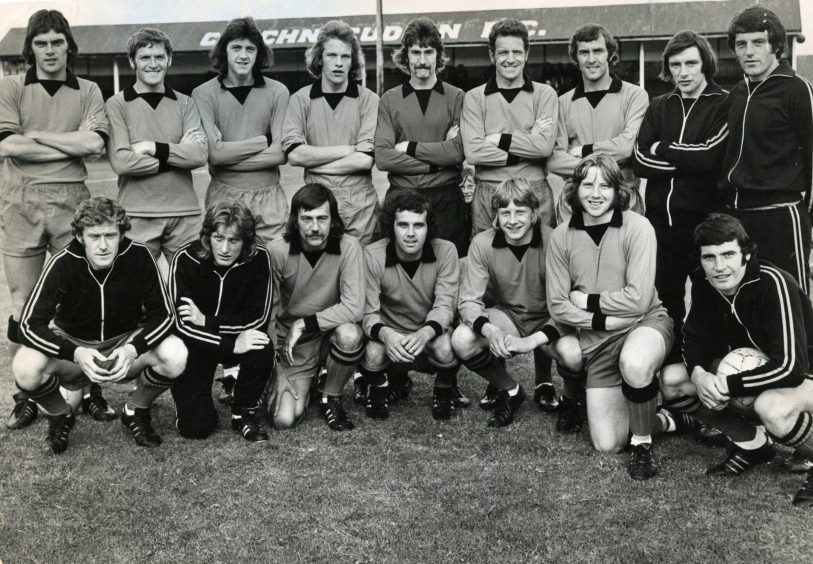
x=143, y=148
x=393, y=341
x=493, y=138
x=297, y=328
x=575, y=151
x=522, y=345
x=496, y=338
x=250, y=340
x=88, y=124
x=613, y=323
x=415, y=343
x=453, y=132
x=190, y=313
x=541, y=125
x=86, y=358
x=402, y=146
x=124, y=357
x=194, y=136
x=579, y=299
x=710, y=389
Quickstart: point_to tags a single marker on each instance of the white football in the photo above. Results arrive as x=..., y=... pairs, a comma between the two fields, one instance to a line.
x=739, y=360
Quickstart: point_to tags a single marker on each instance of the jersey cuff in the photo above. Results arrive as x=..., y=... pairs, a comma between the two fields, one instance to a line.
x=291, y=148
x=6, y=133
x=433, y=168
x=661, y=149
x=105, y=137
x=412, y=146
x=435, y=326
x=370, y=154
x=66, y=350
x=505, y=142
x=511, y=160
x=587, y=150
x=269, y=139
x=599, y=322
x=550, y=332
x=478, y=324
x=162, y=151
x=375, y=331
x=312, y=324
x=593, y=305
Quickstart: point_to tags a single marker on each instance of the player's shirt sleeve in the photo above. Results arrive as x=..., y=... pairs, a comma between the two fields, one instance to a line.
x=223, y=153
x=446, y=288
x=472, y=130
x=350, y=308
x=561, y=162
x=295, y=123
x=365, y=140
x=374, y=272
x=188, y=155
x=9, y=109
x=621, y=146
x=558, y=283
x=387, y=158
x=123, y=160
x=93, y=105
x=703, y=329
x=705, y=156
x=257, y=308
x=645, y=164
x=534, y=146
x=158, y=313
x=448, y=152
x=277, y=263
x=800, y=108
x=474, y=282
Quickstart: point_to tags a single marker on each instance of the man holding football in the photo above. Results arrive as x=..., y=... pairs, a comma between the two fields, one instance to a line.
x=740, y=301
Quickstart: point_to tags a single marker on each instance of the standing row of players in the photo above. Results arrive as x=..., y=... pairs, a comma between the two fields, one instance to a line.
x=509, y=128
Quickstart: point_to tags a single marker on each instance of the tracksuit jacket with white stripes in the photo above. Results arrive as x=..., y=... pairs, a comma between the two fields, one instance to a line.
x=233, y=298
x=769, y=312
x=97, y=305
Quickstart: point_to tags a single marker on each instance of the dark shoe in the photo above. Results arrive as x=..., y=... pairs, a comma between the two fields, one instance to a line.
x=570, y=417
x=443, y=403
x=376, y=406
x=248, y=426
x=804, y=497
x=505, y=408
x=642, y=466
x=458, y=399
x=489, y=399
x=545, y=397
x=398, y=392
x=710, y=436
x=739, y=460
x=360, y=388
x=334, y=413
x=683, y=422
x=227, y=393
x=140, y=425
x=23, y=414
x=58, y=428
x=96, y=406
x=797, y=463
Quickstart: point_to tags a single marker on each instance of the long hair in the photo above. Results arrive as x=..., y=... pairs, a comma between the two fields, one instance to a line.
x=683, y=40
x=759, y=18
x=508, y=27
x=241, y=28
x=145, y=37
x=229, y=214
x=611, y=173
x=99, y=211
x=404, y=200
x=422, y=32
x=719, y=228
x=44, y=21
x=310, y=197
x=591, y=32
x=335, y=29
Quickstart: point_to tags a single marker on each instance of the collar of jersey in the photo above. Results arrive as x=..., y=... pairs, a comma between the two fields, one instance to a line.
x=316, y=90
x=256, y=84
x=492, y=88
x=427, y=254
x=130, y=93
x=70, y=78
x=577, y=221
x=615, y=86
x=499, y=241
x=333, y=246
x=408, y=89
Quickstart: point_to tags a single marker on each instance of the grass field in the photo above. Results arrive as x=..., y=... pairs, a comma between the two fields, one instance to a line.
x=408, y=489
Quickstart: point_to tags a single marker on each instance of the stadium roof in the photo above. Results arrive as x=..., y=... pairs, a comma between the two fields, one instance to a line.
x=546, y=25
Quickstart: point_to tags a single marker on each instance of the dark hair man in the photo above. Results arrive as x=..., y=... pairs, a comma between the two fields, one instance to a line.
x=329, y=127
x=741, y=301
x=318, y=302
x=417, y=140
x=99, y=313
x=412, y=283
x=601, y=115
x=600, y=279
x=156, y=139
x=220, y=286
x=50, y=120
x=679, y=149
x=768, y=165
x=509, y=262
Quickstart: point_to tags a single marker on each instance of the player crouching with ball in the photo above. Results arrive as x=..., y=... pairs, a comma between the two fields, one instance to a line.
x=99, y=313
x=740, y=301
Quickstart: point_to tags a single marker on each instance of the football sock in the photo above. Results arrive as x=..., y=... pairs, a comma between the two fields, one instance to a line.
x=801, y=435
x=759, y=440
x=573, y=382
x=149, y=386
x=664, y=423
x=542, y=367
x=514, y=391
x=340, y=366
x=48, y=397
x=729, y=423
x=643, y=403
x=446, y=377
x=488, y=366
x=641, y=440
x=376, y=378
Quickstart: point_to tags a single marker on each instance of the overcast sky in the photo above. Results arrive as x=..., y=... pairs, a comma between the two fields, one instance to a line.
x=90, y=12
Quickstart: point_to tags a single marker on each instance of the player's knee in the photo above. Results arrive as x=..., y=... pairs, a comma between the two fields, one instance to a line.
x=441, y=349
x=375, y=356
x=570, y=354
x=775, y=410
x=27, y=368
x=198, y=424
x=675, y=382
x=348, y=336
x=608, y=444
x=172, y=355
x=464, y=342
x=636, y=369
x=285, y=419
